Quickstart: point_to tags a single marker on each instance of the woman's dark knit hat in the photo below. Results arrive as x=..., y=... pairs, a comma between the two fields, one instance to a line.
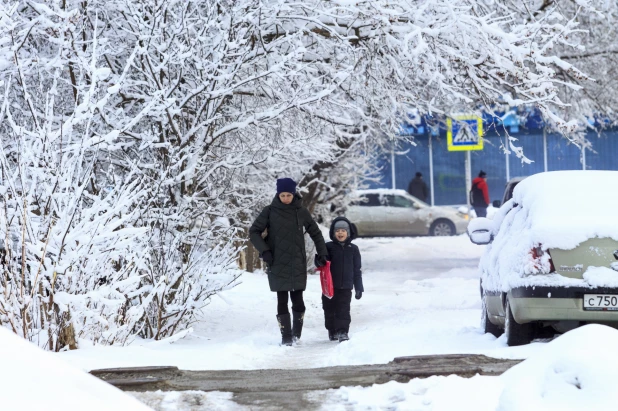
x=286, y=185
x=482, y=174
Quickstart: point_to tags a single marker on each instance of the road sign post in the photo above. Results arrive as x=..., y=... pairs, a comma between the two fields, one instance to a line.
x=464, y=132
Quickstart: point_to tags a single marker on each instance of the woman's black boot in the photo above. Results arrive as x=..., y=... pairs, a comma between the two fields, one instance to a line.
x=285, y=325
x=297, y=324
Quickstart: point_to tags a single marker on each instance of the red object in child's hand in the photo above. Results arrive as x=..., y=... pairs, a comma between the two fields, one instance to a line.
x=326, y=279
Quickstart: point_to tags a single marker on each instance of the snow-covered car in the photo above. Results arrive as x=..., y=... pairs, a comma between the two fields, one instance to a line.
x=552, y=255
x=383, y=212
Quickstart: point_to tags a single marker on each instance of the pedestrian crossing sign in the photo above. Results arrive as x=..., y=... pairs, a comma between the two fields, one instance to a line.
x=464, y=132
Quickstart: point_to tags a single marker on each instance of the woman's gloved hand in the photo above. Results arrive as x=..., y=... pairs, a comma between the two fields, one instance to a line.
x=320, y=260
x=358, y=295
x=267, y=256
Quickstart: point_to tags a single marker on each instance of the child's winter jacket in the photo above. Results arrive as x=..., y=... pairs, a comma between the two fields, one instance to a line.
x=345, y=259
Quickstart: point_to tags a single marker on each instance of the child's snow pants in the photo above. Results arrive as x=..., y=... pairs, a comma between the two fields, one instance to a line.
x=337, y=311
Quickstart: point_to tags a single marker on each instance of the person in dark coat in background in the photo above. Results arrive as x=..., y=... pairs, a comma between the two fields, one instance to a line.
x=346, y=272
x=479, y=195
x=418, y=187
x=283, y=251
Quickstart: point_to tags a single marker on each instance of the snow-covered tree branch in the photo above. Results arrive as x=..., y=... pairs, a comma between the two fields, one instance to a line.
x=139, y=137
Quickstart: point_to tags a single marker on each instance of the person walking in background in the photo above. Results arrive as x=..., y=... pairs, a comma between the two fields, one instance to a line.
x=283, y=251
x=418, y=187
x=479, y=195
x=345, y=268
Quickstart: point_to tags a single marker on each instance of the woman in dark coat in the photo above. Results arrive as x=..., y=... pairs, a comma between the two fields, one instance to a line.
x=283, y=250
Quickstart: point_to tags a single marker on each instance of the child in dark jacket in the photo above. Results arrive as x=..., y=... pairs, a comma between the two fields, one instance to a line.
x=345, y=269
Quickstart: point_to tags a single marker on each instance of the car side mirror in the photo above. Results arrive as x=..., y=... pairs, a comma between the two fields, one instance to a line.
x=496, y=203
x=481, y=237
x=480, y=231
x=416, y=206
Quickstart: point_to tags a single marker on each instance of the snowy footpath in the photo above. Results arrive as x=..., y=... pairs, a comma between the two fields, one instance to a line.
x=422, y=297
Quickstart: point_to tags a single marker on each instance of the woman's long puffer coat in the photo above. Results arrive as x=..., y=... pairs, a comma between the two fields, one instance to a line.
x=286, y=225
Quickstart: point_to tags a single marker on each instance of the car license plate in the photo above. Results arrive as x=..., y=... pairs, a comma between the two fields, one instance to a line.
x=600, y=302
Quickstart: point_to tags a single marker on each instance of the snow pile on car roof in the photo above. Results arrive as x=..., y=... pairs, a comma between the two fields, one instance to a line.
x=565, y=208
x=33, y=379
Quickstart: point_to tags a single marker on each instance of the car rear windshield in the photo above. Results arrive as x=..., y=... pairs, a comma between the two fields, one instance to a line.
x=368, y=200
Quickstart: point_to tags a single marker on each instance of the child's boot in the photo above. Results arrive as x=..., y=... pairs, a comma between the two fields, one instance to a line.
x=285, y=325
x=333, y=335
x=297, y=324
x=343, y=336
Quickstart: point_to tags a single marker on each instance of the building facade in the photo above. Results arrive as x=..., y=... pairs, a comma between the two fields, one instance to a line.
x=444, y=171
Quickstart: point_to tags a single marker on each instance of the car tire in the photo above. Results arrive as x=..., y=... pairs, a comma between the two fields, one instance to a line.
x=516, y=334
x=442, y=228
x=488, y=326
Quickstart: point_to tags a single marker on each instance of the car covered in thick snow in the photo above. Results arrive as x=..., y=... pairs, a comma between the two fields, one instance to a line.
x=384, y=212
x=552, y=255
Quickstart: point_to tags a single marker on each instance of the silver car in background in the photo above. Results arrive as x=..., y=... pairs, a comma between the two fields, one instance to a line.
x=384, y=212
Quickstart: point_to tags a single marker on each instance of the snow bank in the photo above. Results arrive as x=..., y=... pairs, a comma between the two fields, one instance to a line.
x=576, y=371
x=32, y=379
x=558, y=209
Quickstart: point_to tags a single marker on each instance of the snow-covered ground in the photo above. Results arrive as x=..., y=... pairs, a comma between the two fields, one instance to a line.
x=33, y=379
x=576, y=371
x=422, y=297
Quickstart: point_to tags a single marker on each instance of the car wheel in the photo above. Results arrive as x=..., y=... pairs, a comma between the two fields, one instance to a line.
x=487, y=325
x=442, y=228
x=516, y=334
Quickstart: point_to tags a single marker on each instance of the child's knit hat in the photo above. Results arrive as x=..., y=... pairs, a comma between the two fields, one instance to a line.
x=342, y=224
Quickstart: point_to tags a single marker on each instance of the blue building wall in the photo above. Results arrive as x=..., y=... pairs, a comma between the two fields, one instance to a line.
x=449, y=167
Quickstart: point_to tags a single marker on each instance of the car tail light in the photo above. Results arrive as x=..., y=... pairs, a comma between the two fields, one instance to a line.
x=537, y=256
